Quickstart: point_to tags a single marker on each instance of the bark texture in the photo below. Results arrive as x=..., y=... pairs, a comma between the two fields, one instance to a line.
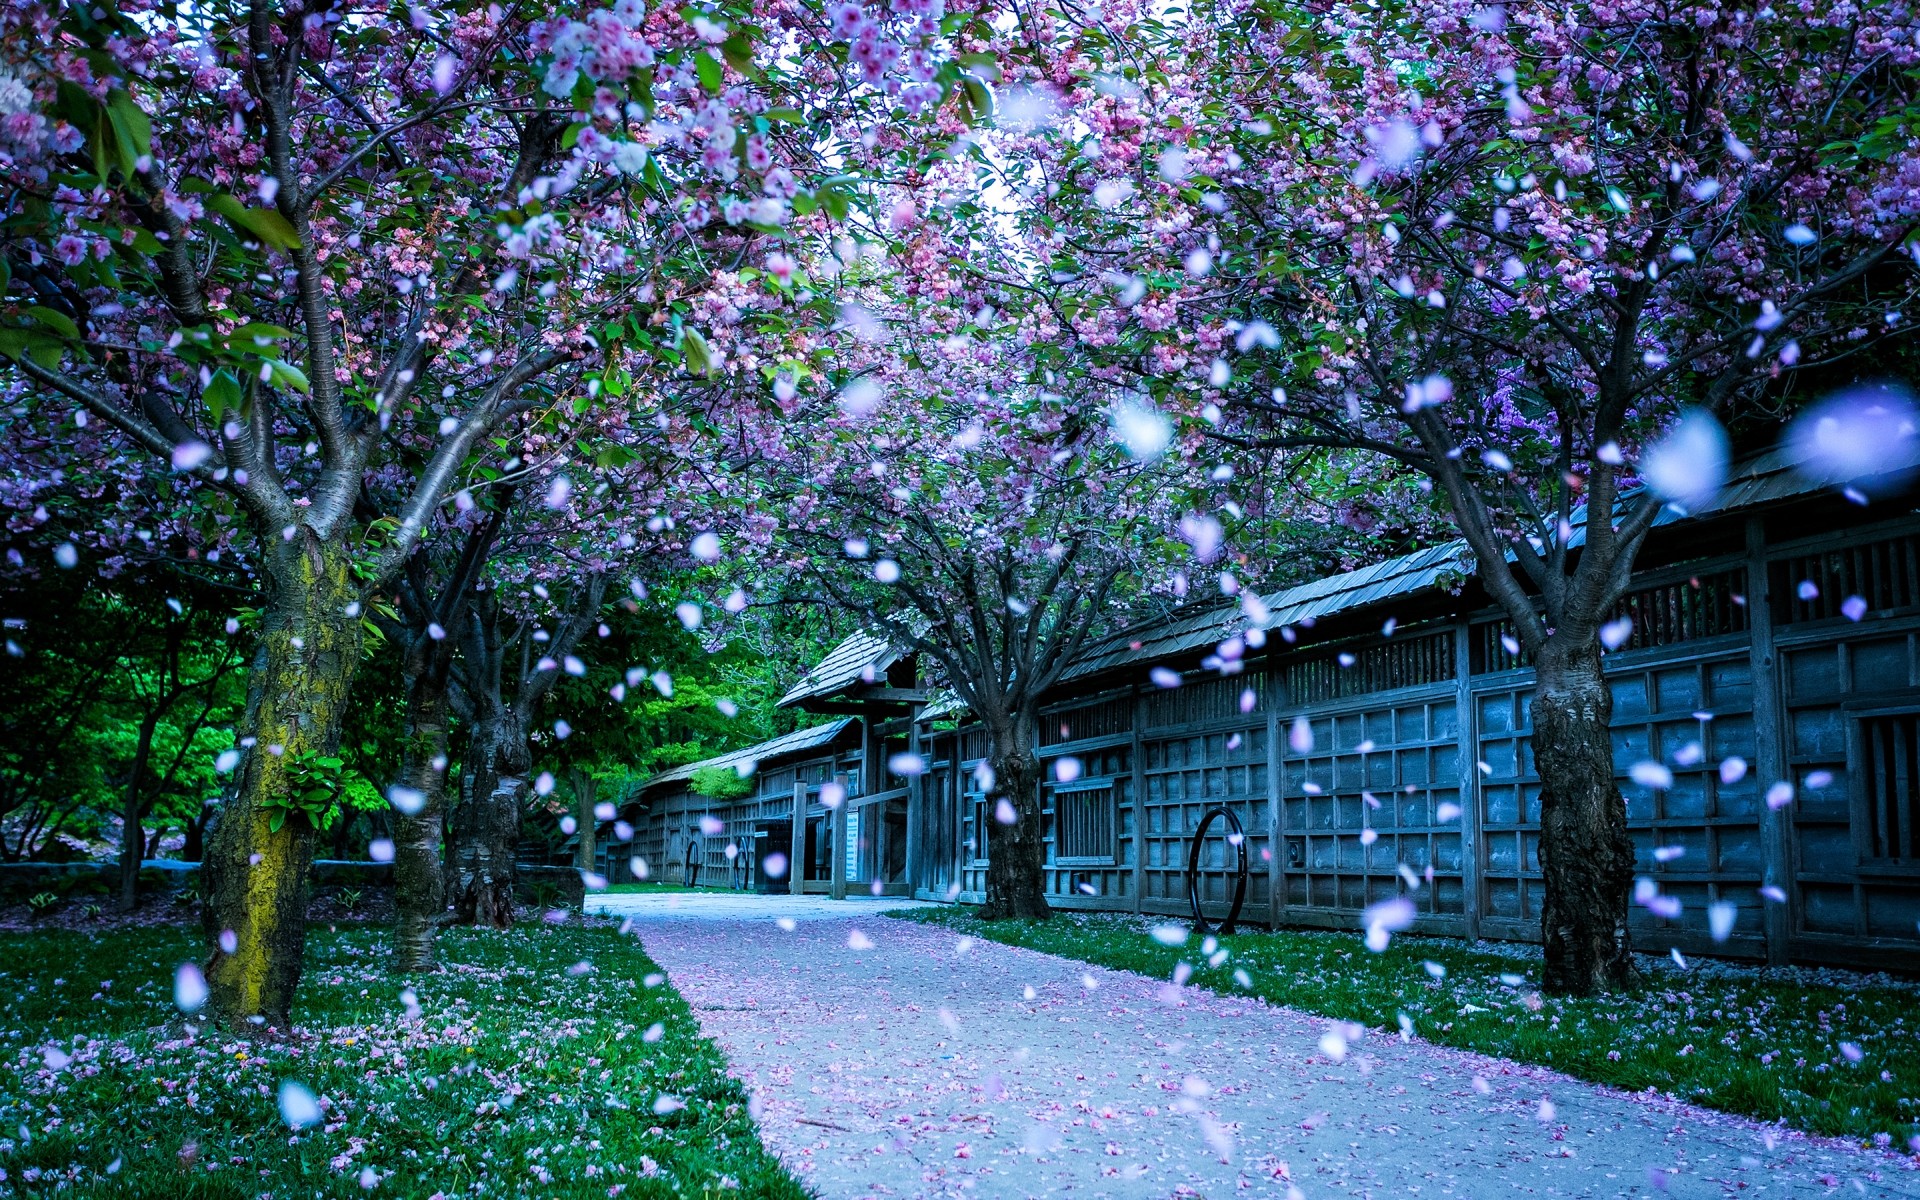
x=1016, y=853
x=256, y=876
x=499, y=703
x=430, y=606
x=486, y=826
x=419, y=884
x=1586, y=857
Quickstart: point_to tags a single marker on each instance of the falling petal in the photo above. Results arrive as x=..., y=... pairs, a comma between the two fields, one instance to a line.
x=1142, y=429
x=1651, y=775
x=1688, y=465
x=1720, y=918
x=299, y=1108
x=1857, y=435
x=189, y=988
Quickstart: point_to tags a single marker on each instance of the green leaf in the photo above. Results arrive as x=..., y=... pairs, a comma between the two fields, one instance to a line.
x=132, y=129
x=46, y=352
x=612, y=457
x=986, y=66
x=698, y=357
x=222, y=394
x=265, y=224
x=286, y=375
x=976, y=102
x=255, y=333
x=707, y=67
x=791, y=116
x=739, y=55
x=54, y=319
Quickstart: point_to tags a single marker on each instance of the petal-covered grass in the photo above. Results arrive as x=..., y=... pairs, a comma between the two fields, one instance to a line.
x=1824, y=1051
x=527, y=1070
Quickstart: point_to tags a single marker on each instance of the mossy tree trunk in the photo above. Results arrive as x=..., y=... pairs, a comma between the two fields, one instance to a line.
x=1017, y=849
x=262, y=845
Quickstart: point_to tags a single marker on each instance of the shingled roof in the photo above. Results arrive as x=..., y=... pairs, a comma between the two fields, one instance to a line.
x=789, y=743
x=863, y=657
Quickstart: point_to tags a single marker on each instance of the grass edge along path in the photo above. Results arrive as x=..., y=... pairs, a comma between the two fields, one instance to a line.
x=1827, y=1052
x=553, y=1060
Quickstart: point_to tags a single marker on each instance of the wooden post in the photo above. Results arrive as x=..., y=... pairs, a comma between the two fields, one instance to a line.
x=1137, y=758
x=1276, y=845
x=838, y=863
x=1469, y=775
x=583, y=800
x=797, y=853
x=1769, y=748
x=916, y=807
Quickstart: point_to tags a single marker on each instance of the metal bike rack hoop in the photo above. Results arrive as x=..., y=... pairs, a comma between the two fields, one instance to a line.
x=1236, y=838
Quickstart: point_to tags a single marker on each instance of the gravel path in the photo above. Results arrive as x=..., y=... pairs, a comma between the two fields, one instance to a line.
x=891, y=1059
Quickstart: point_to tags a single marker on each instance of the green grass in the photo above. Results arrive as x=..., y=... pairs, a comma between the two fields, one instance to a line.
x=1765, y=1044
x=528, y=1073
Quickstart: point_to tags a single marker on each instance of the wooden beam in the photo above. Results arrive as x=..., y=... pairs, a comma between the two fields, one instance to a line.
x=1276, y=843
x=916, y=811
x=1465, y=728
x=895, y=695
x=1769, y=745
x=1137, y=757
x=797, y=854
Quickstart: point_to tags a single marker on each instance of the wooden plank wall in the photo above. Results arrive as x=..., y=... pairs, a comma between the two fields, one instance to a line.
x=1415, y=754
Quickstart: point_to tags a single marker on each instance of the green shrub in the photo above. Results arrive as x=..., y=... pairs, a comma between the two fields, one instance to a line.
x=721, y=783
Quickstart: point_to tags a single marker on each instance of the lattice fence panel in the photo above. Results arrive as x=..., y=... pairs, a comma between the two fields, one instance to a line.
x=1106, y=773
x=1698, y=840
x=1814, y=584
x=1185, y=776
x=1377, y=791
x=1708, y=603
x=1835, y=692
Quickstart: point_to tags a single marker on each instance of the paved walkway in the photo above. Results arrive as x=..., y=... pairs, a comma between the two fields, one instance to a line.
x=740, y=906
x=888, y=1059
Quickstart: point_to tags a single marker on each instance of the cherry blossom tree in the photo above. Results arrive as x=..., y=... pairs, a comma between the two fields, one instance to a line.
x=937, y=490
x=1508, y=248
x=272, y=247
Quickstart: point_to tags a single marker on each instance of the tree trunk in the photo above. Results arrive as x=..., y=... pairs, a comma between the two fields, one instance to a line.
x=1585, y=854
x=133, y=832
x=419, y=882
x=1016, y=853
x=195, y=831
x=133, y=844
x=486, y=826
x=256, y=875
